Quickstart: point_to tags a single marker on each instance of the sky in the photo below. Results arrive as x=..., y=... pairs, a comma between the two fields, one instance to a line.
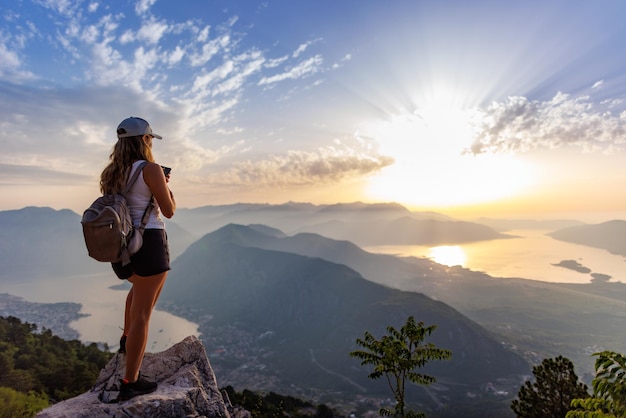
x=483, y=108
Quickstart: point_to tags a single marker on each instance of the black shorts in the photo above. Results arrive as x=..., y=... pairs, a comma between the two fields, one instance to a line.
x=152, y=258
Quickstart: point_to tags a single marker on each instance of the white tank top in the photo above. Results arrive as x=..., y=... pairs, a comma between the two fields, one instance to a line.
x=138, y=199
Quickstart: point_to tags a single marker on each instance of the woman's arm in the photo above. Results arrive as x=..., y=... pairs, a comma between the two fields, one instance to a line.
x=155, y=179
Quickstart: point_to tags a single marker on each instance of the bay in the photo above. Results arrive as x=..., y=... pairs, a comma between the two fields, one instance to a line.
x=530, y=255
x=104, y=307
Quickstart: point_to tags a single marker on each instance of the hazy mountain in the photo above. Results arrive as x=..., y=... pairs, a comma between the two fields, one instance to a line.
x=179, y=238
x=536, y=319
x=404, y=231
x=43, y=241
x=512, y=224
x=610, y=236
x=303, y=315
x=542, y=319
x=40, y=241
x=361, y=223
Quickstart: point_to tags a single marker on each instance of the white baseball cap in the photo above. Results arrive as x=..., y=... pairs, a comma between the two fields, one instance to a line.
x=134, y=126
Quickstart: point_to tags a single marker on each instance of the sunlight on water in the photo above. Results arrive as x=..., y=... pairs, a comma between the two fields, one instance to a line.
x=530, y=255
x=449, y=255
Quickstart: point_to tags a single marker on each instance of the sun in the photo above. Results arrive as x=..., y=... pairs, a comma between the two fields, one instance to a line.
x=432, y=167
x=449, y=255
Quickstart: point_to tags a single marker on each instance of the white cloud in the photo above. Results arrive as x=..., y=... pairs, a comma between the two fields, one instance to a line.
x=90, y=34
x=597, y=84
x=209, y=50
x=300, y=50
x=307, y=67
x=519, y=124
x=143, y=6
x=10, y=65
x=275, y=62
x=9, y=60
x=127, y=37
x=176, y=56
x=204, y=34
x=63, y=7
x=221, y=72
x=93, y=7
x=152, y=31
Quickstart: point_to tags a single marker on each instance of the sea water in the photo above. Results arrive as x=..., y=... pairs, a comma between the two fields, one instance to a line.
x=531, y=255
x=104, y=307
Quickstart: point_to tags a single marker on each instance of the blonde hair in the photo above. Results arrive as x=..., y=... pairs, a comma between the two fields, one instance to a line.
x=125, y=152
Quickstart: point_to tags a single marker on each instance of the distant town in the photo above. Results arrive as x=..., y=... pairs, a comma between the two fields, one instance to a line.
x=53, y=316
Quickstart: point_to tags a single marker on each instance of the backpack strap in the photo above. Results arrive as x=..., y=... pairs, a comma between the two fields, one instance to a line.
x=131, y=181
x=146, y=213
x=134, y=177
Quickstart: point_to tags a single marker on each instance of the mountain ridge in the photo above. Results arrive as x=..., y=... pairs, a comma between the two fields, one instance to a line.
x=308, y=306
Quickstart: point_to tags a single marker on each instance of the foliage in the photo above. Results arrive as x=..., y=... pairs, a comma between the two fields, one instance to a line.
x=555, y=386
x=396, y=356
x=273, y=405
x=609, y=389
x=42, y=362
x=14, y=404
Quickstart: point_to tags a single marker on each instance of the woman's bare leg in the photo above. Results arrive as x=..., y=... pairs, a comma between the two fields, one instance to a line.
x=146, y=290
x=127, y=318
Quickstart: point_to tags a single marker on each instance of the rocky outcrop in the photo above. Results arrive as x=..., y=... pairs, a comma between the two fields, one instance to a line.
x=187, y=388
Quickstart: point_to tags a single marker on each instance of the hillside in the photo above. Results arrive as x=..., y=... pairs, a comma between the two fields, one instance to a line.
x=297, y=318
x=542, y=319
x=535, y=319
x=610, y=236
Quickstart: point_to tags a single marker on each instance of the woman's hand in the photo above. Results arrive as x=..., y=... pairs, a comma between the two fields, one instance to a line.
x=155, y=178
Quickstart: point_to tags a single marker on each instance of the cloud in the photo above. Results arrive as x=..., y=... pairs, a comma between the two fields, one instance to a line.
x=325, y=165
x=176, y=56
x=152, y=31
x=300, y=50
x=306, y=67
x=9, y=60
x=63, y=7
x=518, y=124
x=143, y=6
x=185, y=78
x=209, y=50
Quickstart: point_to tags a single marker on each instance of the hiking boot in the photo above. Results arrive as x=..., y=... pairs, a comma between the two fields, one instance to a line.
x=122, y=344
x=140, y=387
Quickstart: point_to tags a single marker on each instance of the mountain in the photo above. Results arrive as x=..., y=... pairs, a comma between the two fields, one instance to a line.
x=610, y=236
x=298, y=317
x=42, y=241
x=405, y=230
x=512, y=224
x=361, y=223
x=539, y=319
x=535, y=319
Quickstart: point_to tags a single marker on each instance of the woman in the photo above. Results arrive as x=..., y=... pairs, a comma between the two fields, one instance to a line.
x=149, y=266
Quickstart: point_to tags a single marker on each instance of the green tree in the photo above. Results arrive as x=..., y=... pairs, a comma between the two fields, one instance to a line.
x=14, y=404
x=609, y=389
x=396, y=356
x=550, y=396
x=43, y=362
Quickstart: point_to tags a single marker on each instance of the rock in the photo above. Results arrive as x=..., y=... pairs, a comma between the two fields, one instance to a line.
x=187, y=388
